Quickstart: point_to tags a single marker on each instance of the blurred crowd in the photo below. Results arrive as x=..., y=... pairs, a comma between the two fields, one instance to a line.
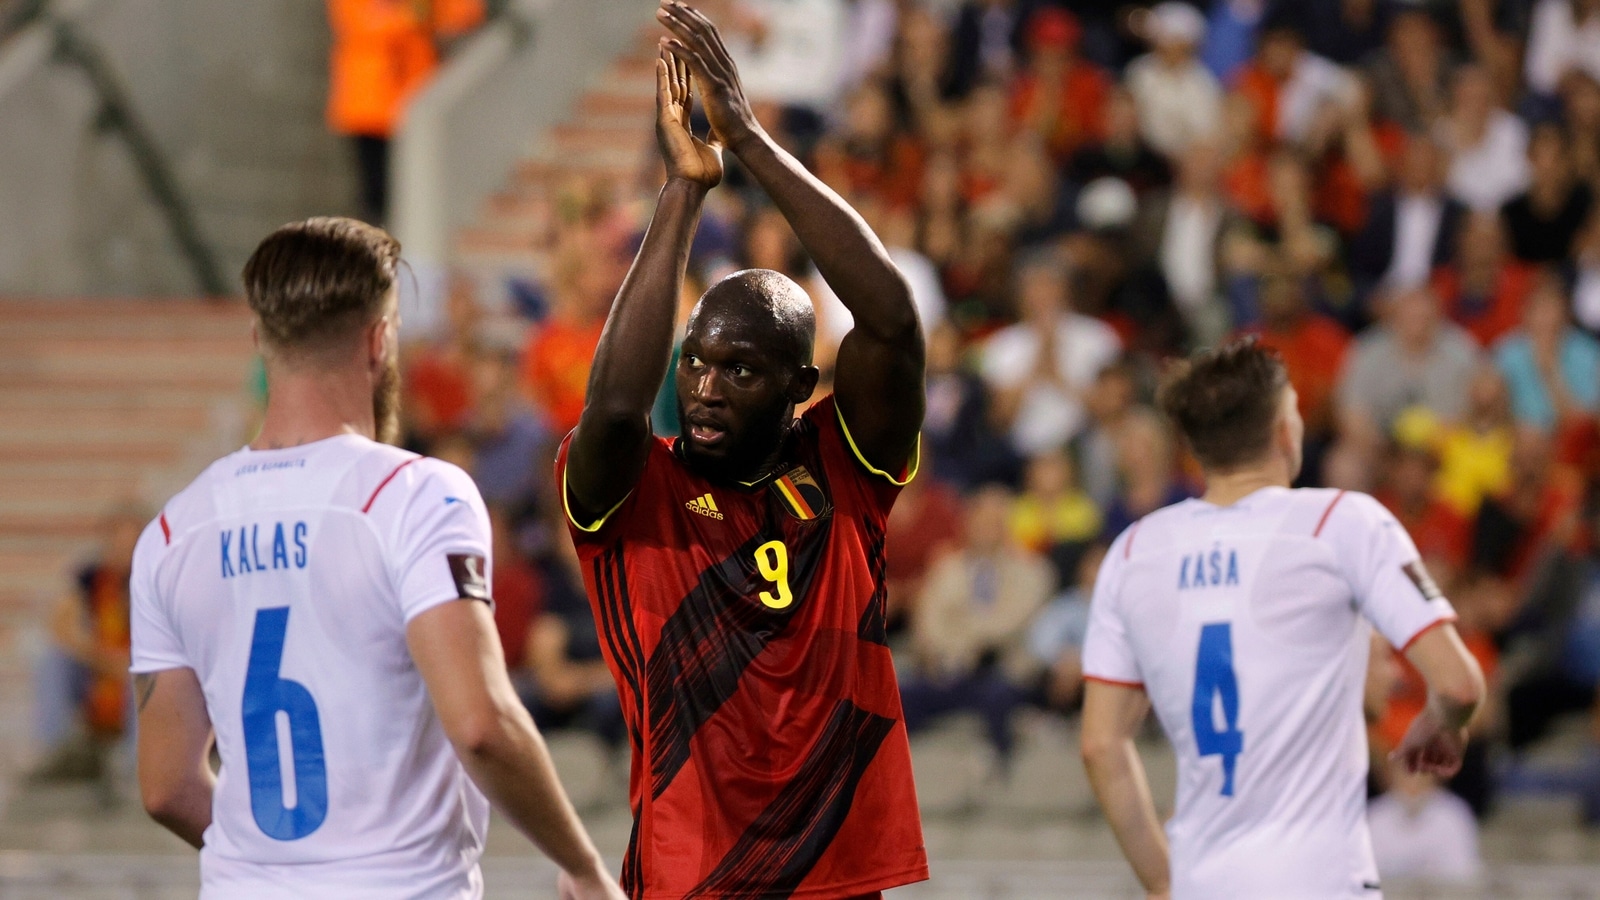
x=1399, y=197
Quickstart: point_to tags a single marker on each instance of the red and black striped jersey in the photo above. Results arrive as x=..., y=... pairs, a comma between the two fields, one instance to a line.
x=745, y=628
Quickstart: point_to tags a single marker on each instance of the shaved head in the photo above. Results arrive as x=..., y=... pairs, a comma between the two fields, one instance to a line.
x=745, y=364
x=764, y=307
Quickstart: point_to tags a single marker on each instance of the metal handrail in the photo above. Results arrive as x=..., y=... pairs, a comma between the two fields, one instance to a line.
x=70, y=46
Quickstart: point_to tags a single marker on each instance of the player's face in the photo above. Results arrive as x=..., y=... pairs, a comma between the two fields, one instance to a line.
x=1294, y=431
x=734, y=399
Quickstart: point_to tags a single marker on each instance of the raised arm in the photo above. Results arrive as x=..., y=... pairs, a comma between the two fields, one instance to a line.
x=878, y=380
x=613, y=436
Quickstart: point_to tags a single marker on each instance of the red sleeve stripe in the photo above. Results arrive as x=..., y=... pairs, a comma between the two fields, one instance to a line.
x=1443, y=620
x=1136, y=685
x=1327, y=512
x=166, y=530
x=385, y=483
x=1127, y=546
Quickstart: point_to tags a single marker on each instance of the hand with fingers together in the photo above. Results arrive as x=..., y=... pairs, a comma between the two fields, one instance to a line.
x=687, y=157
x=696, y=41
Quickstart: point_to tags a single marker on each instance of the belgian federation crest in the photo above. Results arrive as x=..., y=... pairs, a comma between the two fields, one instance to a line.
x=800, y=494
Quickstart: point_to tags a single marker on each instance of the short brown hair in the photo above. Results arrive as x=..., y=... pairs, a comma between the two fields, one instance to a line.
x=1225, y=401
x=315, y=281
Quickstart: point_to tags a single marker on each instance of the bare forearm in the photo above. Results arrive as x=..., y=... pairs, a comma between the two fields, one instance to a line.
x=611, y=442
x=846, y=252
x=637, y=342
x=1118, y=777
x=188, y=813
x=513, y=769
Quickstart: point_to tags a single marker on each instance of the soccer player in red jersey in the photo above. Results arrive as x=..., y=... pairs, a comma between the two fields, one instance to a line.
x=736, y=571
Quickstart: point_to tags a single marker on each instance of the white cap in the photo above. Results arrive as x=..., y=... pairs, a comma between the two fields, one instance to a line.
x=1106, y=203
x=1175, y=23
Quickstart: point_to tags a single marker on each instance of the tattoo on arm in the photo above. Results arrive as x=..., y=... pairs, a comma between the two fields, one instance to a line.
x=143, y=686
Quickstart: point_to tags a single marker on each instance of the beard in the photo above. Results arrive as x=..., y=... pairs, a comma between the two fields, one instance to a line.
x=386, y=404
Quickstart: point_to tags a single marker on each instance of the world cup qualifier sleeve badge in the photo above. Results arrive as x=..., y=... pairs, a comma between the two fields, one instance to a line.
x=800, y=495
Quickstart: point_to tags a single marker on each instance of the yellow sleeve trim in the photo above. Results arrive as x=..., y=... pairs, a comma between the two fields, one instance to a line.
x=911, y=470
x=598, y=523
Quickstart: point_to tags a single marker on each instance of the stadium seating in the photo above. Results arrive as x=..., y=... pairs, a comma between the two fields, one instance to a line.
x=102, y=402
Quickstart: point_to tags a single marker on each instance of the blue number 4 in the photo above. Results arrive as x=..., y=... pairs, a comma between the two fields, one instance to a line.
x=266, y=695
x=1213, y=675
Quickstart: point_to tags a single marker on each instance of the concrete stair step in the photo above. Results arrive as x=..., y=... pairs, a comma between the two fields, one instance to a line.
x=34, y=419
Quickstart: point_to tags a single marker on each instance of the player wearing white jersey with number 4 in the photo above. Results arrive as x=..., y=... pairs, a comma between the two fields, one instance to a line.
x=1243, y=618
x=319, y=601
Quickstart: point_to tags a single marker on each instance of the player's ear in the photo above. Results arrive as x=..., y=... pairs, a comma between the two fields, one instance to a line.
x=804, y=384
x=375, y=338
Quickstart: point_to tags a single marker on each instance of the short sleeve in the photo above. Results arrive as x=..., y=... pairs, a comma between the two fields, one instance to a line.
x=1392, y=586
x=443, y=542
x=1107, y=654
x=594, y=533
x=155, y=644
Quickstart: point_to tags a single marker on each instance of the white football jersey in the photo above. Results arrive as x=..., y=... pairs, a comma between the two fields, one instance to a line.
x=1248, y=627
x=285, y=579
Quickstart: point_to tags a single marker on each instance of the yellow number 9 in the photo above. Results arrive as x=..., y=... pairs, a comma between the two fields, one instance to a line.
x=772, y=558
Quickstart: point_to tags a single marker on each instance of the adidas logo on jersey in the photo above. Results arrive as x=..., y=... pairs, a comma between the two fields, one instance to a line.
x=705, y=506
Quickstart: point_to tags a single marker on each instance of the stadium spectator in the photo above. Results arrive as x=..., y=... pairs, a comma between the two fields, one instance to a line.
x=1289, y=86
x=1412, y=357
x=1111, y=402
x=1487, y=143
x=791, y=60
x=1551, y=368
x=1039, y=367
x=964, y=446
x=1311, y=345
x=555, y=362
x=1179, y=101
x=570, y=685
x=1056, y=638
x=1410, y=228
x=1186, y=228
x=1543, y=220
x=985, y=45
x=518, y=597
x=1053, y=516
x=1563, y=37
x=1482, y=287
x=970, y=630
x=382, y=53
x=1147, y=464
x=1443, y=536
x=1058, y=95
x=924, y=525
x=1586, y=285
x=1475, y=453
x=506, y=433
x=80, y=682
x=1421, y=833
x=1410, y=73
x=1121, y=152
x=439, y=373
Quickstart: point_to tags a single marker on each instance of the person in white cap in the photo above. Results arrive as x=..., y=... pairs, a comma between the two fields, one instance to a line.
x=1179, y=99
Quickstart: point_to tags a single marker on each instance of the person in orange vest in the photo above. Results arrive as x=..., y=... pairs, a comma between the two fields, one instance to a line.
x=383, y=52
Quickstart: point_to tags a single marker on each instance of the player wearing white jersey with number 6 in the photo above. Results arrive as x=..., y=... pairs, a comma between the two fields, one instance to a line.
x=1243, y=618
x=319, y=602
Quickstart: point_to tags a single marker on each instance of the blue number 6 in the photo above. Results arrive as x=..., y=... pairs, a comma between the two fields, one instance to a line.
x=1213, y=674
x=266, y=695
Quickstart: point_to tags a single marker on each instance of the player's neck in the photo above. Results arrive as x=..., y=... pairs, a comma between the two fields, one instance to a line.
x=1228, y=488
x=303, y=407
